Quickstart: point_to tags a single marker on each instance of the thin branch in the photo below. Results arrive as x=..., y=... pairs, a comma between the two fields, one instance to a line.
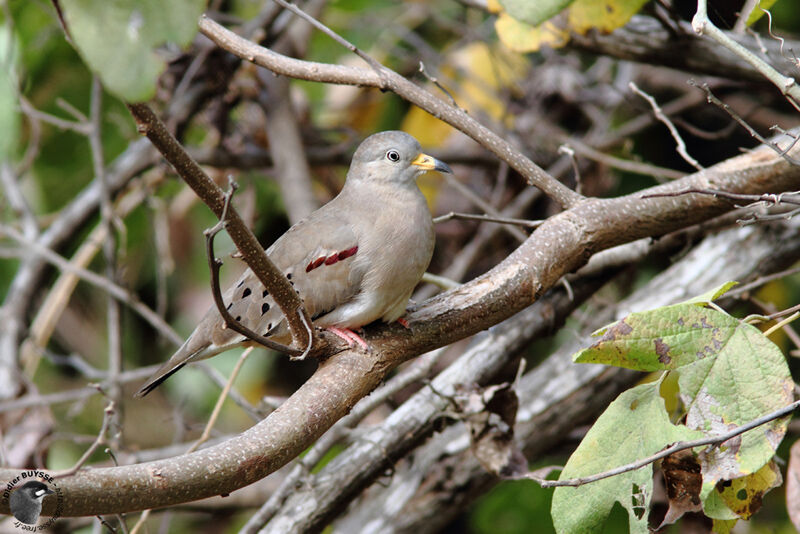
x=679, y=446
x=436, y=82
x=645, y=169
x=220, y=401
x=702, y=25
x=372, y=62
x=252, y=251
x=214, y=265
x=118, y=292
x=440, y=281
x=17, y=202
x=487, y=218
x=390, y=80
x=470, y=195
x=760, y=281
x=681, y=146
x=113, y=318
x=769, y=198
x=108, y=417
x=735, y=116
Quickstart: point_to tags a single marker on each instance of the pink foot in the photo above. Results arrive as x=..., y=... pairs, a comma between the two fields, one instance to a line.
x=349, y=336
x=404, y=323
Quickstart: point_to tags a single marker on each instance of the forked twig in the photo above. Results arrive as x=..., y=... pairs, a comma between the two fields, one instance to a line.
x=214, y=265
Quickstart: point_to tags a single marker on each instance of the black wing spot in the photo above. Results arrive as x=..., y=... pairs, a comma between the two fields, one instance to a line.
x=241, y=282
x=264, y=308
x=264, y=294
x=246, y=292
x=289, y=276
x=238, y=318
x=229, y=306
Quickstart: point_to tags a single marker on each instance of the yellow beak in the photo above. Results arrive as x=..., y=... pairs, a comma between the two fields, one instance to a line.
x=429, y=163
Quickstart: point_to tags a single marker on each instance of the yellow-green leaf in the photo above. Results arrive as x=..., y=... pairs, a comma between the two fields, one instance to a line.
x=521, y=37
x=603, y=15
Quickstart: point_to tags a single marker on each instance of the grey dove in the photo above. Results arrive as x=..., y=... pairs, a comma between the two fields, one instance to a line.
x=353, y=261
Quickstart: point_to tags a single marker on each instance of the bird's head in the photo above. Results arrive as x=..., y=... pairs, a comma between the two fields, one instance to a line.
x=35, y=490
x=392, y=156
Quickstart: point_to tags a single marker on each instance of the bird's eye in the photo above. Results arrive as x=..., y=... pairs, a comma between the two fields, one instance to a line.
x=393, y=155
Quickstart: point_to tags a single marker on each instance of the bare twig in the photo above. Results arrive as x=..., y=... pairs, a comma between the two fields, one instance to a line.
x=679, y=446
x=108, y=416
x=17, y=202
x=789, y=197
x=439, y=281
x=681, y=146
x=487, y=218
x=738, y=290
x=252, y=252
x=220, y=401
x=435, y=82
x=390, y=80
x=702, y=25
x=623, y=164
x=214, y=265
x=110, y=255
x=735, y=116
x=465, y=191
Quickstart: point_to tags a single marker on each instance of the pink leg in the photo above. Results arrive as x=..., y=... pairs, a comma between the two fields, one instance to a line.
x=349, y=336
x=404, y=323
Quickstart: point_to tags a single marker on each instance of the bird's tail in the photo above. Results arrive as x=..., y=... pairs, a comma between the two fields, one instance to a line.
x=189, y=351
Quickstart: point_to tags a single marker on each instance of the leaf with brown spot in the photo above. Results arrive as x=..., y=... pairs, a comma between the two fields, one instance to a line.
x=745, y=495
x=683, y=480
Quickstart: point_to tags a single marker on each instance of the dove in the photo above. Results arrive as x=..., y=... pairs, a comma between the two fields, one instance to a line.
x=353, y=261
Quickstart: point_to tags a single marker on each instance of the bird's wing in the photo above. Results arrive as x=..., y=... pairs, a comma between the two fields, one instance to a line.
x=319, y=255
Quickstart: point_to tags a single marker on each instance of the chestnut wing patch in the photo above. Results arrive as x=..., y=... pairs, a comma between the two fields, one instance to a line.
x=331, y=259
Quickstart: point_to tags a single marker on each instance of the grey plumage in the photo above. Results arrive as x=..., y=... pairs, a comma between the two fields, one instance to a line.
x=353, y=261
x=26, y=501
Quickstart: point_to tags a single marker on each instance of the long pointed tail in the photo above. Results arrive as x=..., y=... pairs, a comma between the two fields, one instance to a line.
x=157, y=378
x=190, y=350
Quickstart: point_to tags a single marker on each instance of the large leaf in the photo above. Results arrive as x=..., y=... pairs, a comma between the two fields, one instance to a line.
x=117, y=38
x=634, y=426
x=729, y=374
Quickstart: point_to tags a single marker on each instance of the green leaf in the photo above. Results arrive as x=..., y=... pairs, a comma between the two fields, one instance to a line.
x=602, y=15
x=711, y=295
x=634, y=426
x=729, y=373
x=534, y=13
x=665, y=338
x=117, y=38
x=9, y=116
x=745, y=379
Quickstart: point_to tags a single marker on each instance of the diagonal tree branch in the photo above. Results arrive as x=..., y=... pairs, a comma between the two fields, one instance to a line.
x=205, y=188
